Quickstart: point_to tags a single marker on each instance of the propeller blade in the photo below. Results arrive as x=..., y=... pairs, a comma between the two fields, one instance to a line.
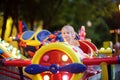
x=73, y=68
x=35, y=69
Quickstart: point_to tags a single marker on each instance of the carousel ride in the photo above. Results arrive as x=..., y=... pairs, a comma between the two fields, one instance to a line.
x=50, y=59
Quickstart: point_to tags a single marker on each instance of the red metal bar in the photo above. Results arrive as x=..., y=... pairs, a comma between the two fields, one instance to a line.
x=17, y=62
x=98, y=61
x=86, y=61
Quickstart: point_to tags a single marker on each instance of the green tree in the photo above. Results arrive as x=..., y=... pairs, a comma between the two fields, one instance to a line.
x=56, y=13
x=99, y=32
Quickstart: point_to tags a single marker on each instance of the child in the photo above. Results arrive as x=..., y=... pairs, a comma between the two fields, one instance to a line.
x=68, y=34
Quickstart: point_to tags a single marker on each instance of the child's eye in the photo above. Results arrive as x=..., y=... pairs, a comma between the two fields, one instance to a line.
x=63, y=33
x=68, y=33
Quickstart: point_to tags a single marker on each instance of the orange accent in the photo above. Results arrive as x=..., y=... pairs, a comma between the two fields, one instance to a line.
x=52, y=36
x=20, y=27
x=23, y=44
x=5, y=55
x=30, y=53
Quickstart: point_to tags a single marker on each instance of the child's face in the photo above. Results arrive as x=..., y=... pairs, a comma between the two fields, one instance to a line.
x=67, y=34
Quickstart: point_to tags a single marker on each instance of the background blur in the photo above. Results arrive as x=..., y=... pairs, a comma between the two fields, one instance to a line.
x=98, y=16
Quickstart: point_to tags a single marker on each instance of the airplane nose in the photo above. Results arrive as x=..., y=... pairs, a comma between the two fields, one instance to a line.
x=53, y=68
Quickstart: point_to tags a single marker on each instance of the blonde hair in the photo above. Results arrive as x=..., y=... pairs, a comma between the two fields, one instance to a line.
x=70, y=28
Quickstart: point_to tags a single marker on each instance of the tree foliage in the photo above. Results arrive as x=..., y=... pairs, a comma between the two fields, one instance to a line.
x=56, y=13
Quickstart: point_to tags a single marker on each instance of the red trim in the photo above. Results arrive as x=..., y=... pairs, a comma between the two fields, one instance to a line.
x=91, y=45
x=85, y=47
x=98, y=61
x=17, y=62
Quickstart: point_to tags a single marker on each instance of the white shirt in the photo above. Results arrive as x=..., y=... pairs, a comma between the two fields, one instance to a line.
x=79, y=52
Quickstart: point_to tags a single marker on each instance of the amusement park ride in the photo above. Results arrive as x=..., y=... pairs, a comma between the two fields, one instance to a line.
x=55, y=60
